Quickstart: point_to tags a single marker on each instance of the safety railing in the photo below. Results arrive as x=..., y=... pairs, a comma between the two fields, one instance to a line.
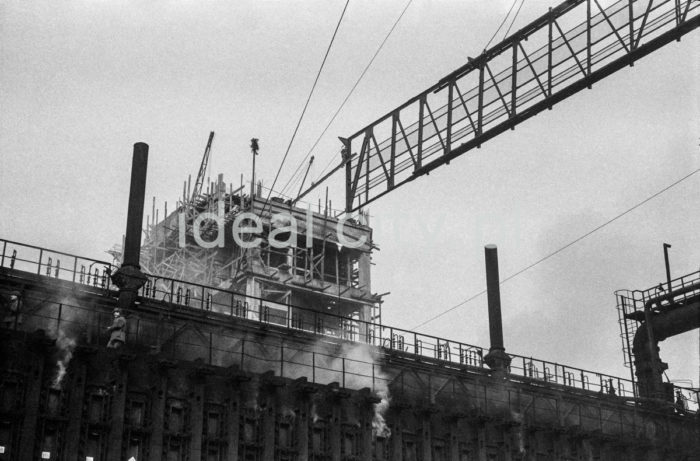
x=405, y=342
x=682, y=289
x=354, y=365
x=55, y=264
x=242, y=306
x=554, y=373
x=260, y=311
x=629, y=302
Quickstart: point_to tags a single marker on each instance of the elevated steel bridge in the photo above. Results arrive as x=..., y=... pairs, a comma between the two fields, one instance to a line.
x=568, y=49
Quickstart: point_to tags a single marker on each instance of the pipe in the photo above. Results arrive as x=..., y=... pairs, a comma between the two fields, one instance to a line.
x=137, y=193
x=496, y=359
x=494, y=297
x=678, y=291
x=670, y=322
x=129, y=277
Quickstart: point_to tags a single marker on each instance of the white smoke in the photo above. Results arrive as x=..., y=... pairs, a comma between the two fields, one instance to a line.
x=379, y=426
x=518, y=418
x=288, y=413
x=314, y=413
x=66, y=346
x=351, y=365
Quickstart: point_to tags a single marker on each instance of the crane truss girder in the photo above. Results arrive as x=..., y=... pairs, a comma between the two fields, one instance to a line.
x=564, y=51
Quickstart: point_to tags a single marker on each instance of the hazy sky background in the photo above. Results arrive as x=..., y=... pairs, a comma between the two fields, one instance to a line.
x=81, y=81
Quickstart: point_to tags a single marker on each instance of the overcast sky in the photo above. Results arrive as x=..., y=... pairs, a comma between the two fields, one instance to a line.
x=81, y=81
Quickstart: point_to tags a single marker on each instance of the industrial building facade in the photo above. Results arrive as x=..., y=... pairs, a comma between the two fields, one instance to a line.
x=277, y=350
x=205, y=379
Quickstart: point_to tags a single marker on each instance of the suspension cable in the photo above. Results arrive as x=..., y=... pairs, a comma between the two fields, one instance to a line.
x=306, y=105
x=357, y=82
x=573, y=242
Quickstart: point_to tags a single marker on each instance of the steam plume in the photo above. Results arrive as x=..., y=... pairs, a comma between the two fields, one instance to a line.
x=66, y=346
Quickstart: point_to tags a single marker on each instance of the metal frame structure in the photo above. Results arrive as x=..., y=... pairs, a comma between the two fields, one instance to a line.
x=570, y=48
x=631, y=308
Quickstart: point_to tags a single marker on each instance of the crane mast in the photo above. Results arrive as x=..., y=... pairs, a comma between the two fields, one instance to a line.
x=197, y=191
x=571, y=47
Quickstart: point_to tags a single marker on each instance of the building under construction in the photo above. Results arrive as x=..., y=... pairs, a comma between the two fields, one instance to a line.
x=252, y=331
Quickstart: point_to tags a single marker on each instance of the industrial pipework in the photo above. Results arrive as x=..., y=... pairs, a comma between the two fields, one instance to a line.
x=664, y=321
x=129, y=277
x=496, y=359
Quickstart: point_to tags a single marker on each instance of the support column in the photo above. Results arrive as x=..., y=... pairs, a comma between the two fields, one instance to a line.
x=116, y=425
x=397, y=438
x=335, y=429
x=366, y=417
x=483, y=441
x=233, y=418
x=304, y=392
x=75, y=407
x=268, y=386
x=196, y=417
x=32, y=401
x=507, y=446
x=426, y=435
x=268, y=428
x=303, y=431
x=158, y=396
x=454, y=439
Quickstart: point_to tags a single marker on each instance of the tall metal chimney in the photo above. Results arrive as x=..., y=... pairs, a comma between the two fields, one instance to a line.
x=137, y=194
x=129, y=277
x=496, y=359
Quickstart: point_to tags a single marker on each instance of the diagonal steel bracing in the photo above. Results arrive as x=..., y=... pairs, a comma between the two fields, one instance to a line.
x=564, y=51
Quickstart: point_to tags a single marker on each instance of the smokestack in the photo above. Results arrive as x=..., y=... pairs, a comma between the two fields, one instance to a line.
x=129, y=277
x=496, y=359
x=137, y=194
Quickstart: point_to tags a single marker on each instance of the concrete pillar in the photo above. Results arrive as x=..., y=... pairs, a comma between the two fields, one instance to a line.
x=303, y=395
x=233, y=418
x=507, y=446
x=116, y=424
x=302, y=422
x=158, y=395
x=366, y=417
x=397, y=438
x=484, y=441
x=426, y=436
x=75, y=407
x=268, y=388
x=268, y=428
x=31, y=408
x=336, y=411
x=454, y=439
x=196, y=418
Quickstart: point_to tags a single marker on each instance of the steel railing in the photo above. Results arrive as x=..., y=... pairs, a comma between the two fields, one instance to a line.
x=393, y=340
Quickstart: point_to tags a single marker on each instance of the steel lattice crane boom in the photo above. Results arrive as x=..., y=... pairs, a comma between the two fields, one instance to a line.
x=564, y=51
x=196, y=192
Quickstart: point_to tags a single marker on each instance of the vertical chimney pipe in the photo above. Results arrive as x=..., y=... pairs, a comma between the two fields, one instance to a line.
x=129, y=277
x=137, y=195
x=494, y=297
x=496, y=359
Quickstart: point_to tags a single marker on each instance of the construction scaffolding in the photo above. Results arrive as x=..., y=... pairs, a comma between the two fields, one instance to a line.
x=307, y=265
